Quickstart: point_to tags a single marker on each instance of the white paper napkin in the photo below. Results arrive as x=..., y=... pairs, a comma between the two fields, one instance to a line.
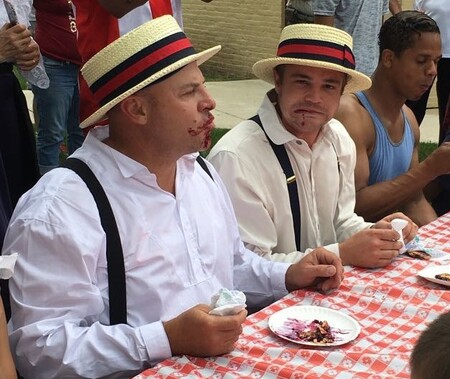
x=227, y=302
x=398, y=224
x=7, y=263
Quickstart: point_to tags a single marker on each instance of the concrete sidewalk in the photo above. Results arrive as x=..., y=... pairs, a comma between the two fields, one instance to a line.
x=240, y=99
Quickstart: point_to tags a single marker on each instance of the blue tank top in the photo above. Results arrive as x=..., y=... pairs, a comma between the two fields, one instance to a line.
x=388, y=159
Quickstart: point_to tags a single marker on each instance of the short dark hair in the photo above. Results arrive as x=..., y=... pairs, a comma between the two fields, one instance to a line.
x=280, y=71
x=401, y=31
x=430, y=356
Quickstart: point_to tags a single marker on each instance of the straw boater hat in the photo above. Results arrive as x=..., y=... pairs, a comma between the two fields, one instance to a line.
x=137, y=59
x=315, y=46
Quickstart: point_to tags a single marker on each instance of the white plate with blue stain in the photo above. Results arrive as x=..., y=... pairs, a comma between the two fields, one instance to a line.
x=289, y=324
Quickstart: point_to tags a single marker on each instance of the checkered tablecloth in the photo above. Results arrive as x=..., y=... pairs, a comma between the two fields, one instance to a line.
x=393, y=305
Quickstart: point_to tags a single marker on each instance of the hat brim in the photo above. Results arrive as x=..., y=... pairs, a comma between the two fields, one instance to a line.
x=263, y=69
x=200, y=58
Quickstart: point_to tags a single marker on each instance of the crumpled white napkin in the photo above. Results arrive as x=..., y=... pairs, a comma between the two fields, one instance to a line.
x=417, y=244
x=7, y=263
x=398, y=224
x=227, y=302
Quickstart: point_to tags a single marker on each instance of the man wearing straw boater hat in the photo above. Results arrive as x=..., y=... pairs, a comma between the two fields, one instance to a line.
x=80, y=309
x=289, y=170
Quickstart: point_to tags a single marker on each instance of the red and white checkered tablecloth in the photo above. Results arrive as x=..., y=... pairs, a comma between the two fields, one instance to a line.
x=393, y=305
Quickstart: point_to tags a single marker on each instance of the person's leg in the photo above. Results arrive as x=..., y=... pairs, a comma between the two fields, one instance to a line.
x=53, y=105
x=443, y=91
x=75, y=135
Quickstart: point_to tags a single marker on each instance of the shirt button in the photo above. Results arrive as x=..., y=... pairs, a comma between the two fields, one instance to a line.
x=299, y=142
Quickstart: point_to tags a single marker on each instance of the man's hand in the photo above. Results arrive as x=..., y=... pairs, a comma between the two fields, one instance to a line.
x=378, y=246
x=29, y=57
x=14, y=40
x=197, y=333
x=371, y=247
x=409, y=231
x=438, y=162
x=320, y=268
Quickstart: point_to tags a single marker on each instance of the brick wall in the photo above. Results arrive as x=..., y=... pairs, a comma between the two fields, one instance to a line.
x=248, y=30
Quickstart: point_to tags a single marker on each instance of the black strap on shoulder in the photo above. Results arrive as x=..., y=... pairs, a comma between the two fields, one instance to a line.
x=114, y=252
x=291, y=181
x=203, y=165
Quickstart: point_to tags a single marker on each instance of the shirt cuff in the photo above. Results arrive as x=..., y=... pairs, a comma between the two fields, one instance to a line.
x=155, y=342
x=278, y=279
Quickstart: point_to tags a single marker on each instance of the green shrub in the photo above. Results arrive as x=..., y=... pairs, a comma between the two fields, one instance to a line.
x=216, y=134
x=425, y=149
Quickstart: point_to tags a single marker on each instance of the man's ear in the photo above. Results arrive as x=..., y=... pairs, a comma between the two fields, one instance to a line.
x=277, y=80
x=387, y=56
x=133, y=107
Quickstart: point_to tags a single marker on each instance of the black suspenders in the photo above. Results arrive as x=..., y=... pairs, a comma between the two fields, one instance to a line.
x=291, y=181
x=114, y=253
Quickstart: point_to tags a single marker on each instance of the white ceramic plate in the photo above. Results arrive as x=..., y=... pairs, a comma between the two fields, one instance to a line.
x=429, y=273
x=286, y=322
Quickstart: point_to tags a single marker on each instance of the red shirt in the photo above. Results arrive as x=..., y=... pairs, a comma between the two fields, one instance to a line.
x=56, y=30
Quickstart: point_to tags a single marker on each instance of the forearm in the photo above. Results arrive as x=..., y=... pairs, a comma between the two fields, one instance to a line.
x=119, y=8
x=420, y=211
x=73, y=350
x=378, y=200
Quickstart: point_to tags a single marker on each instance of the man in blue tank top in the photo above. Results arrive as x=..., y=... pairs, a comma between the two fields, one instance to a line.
x=388, y=175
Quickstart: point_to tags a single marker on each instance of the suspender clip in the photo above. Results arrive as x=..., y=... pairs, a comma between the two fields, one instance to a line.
x=291, y=179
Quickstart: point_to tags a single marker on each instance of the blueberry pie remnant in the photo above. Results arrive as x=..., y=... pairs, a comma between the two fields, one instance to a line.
x=418, y=254
x=316, y=331
x=443, y=276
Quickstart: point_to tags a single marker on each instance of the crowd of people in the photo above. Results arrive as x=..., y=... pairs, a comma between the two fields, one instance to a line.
x=283, y=201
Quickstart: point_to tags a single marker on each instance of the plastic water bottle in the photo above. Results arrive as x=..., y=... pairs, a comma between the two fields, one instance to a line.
x=37, y=76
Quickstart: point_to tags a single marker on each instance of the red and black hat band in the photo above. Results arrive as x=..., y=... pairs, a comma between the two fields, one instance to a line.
x=322, y=51
x=140, y=66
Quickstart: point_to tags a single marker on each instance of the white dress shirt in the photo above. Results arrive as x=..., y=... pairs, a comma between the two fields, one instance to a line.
x=178, y=251
x=257, y=186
